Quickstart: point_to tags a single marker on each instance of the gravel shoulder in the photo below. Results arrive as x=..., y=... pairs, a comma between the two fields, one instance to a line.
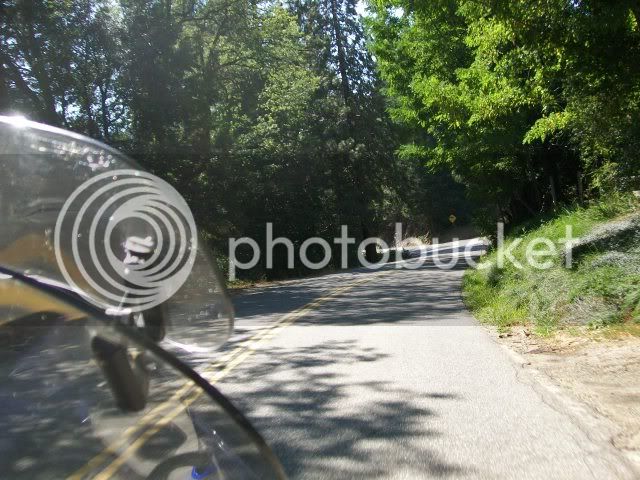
x=600, y=374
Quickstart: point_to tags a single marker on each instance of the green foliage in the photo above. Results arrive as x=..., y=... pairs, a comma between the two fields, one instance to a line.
x=256, y=112
x=548, y=127
x=600, y=290
x=530, y=103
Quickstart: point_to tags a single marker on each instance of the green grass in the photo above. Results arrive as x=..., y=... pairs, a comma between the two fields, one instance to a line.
x=599, y=291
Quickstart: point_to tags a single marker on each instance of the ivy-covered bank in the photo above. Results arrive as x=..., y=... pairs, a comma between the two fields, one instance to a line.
x=601, y=290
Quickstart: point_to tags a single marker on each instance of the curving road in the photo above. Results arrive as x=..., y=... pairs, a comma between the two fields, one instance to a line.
x=386, y=375
x=362, y=374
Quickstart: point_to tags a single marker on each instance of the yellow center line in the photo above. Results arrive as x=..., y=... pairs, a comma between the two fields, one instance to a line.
x=147, y=419
x=212, y=374
x=162, y=422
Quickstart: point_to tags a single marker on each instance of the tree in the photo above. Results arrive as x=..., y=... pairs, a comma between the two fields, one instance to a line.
x=60, y=63
x=360, y=139
x=505, y=94
x=257, y=113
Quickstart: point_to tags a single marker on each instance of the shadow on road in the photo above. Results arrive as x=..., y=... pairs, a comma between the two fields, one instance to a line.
x=396, y=297
x=294, y=398
x=400, y=298
x=259, y=303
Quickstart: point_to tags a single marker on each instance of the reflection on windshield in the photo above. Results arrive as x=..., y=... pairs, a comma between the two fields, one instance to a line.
x=61, y=420
x=42, y=167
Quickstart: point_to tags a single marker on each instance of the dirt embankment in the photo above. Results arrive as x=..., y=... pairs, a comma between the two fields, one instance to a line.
x=601, y=373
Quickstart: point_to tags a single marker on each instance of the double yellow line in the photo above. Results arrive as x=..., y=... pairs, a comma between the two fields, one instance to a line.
x=213, y=373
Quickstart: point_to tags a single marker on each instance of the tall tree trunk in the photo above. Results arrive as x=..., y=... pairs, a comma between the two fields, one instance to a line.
x=104, y=111
x=371, y=253
x=4, y=92
x=342, y=61
x=580, y=187
x=11, y=71
x=38, y=69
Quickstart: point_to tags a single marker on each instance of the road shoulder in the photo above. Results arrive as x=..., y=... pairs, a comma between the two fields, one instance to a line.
x=597, y=379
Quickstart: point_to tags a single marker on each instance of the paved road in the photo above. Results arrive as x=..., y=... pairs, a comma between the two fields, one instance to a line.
x=386, y=375
x=353, y=375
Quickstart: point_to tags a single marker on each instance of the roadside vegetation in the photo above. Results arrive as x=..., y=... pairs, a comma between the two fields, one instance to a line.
x=255, y=111
x=314, y=114
x=531, y=104
x=601, y=290
x=534, y=106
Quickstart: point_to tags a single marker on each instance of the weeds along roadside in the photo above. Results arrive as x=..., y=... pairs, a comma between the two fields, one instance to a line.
x=600, y=291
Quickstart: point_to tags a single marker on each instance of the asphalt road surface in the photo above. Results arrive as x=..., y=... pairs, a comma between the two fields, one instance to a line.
x=361, y=374
x=386, y=375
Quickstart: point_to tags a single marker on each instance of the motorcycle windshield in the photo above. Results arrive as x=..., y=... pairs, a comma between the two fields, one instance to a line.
x=80, y=215
x=86, y=398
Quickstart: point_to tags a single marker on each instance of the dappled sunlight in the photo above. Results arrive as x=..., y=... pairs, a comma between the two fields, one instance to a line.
x=321, y=421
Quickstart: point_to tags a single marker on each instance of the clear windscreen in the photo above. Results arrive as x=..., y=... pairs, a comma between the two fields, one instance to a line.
x=81, y=399
x=78, y=214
